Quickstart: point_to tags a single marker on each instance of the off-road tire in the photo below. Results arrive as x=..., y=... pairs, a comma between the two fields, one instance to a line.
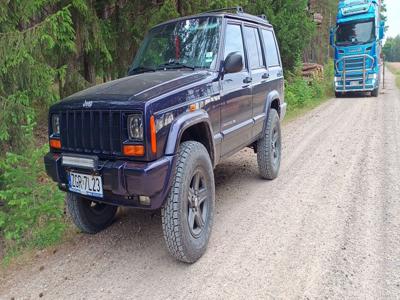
x=89, y=216
x=268, y=146
x=375, y=92
x=182, y=244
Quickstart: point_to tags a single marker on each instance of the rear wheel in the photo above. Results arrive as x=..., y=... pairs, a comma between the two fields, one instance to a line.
x=188, y=213
x=90, y=216
x=269, y=147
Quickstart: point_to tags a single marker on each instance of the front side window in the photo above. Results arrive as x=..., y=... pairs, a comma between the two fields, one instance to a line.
x=191, y=43
x=234, y=40
x=270, y=48
x=355, y=33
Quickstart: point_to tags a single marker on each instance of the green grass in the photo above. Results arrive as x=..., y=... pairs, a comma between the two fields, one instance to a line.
x=302, y=95
x=395, y=69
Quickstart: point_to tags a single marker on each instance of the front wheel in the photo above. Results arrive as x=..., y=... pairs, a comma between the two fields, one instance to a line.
x=188, y=213
x=269, y=147
x=375, y=92
x=90, y=216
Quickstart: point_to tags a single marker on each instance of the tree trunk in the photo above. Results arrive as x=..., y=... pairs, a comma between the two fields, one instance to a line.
x=89, y=68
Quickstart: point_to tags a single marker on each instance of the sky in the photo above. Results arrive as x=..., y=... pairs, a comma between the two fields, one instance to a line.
x=393, y=17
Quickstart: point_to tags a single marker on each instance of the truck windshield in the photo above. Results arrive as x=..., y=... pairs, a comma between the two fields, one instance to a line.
x=191, y=43
x=355, y=33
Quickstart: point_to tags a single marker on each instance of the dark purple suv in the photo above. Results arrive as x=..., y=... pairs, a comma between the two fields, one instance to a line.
x=200, y=89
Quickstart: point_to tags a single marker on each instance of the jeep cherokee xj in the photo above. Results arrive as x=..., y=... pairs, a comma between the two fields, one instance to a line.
x=200, y=89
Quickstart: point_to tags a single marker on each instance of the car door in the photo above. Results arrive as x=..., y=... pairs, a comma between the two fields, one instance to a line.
x=236, y=109
x=275, y=80
x=259, y=74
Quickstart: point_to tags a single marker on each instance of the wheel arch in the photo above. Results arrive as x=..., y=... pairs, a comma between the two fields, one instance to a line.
x=195, y=126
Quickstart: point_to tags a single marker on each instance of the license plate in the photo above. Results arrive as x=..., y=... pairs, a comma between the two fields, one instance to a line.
x=354, y=83
x=85, y=184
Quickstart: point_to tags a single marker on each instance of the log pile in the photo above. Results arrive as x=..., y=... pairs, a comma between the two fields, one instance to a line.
x=312, y=70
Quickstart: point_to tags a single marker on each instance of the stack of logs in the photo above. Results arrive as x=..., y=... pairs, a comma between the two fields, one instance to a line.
x=311, y=71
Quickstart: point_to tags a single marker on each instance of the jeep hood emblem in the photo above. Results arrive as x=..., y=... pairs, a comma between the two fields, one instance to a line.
x=87, y=104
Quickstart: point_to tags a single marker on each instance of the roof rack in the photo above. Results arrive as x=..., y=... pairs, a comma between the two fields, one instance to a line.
x=236, y=9
x=264, y=17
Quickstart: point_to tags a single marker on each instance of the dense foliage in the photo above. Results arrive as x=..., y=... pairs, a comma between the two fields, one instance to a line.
x=391, y=49
x=52, y=48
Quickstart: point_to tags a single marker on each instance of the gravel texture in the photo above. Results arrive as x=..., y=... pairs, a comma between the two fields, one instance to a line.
x=329, y=226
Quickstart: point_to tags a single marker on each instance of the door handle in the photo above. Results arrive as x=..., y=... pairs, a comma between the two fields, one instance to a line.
x=265, y=76
x=247, y=80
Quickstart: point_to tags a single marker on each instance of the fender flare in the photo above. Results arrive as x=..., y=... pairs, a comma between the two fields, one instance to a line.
x=184, y=122
x=272, y=96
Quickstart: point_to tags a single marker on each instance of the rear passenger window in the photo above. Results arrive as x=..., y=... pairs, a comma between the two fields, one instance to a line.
x=253, y=47
x=270, y=48
x=234, y=41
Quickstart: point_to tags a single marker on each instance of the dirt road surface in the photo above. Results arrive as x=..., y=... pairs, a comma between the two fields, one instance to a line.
x=329, y=226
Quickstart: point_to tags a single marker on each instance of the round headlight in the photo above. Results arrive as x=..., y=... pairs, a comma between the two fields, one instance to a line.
x=135, y=127
x=55, y=124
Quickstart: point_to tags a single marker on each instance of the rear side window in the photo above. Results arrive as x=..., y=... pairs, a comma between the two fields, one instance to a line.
x=253, y=47
x=234, y=40
x=271, y=51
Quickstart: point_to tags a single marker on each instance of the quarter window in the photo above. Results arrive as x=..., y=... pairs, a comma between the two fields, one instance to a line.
x=270, y=48
x=234, y=40
x=253, y=47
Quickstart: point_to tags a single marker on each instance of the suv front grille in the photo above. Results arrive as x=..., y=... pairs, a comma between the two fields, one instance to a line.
x=91, y=131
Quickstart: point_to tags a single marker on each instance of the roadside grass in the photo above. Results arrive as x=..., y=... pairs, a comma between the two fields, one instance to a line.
x=395, y=69
x=302, y=95
x=32, y=212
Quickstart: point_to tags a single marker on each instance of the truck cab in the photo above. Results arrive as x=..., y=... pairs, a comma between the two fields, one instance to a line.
x=357, y=42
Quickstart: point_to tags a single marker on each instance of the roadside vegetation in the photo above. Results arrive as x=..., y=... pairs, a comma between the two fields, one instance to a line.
x=50, y=49
x=394, y=67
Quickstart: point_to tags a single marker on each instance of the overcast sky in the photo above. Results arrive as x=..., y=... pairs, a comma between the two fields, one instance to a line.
x=393, y=17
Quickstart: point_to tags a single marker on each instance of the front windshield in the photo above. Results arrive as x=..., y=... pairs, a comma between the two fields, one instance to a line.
x=191, y=43
x=355, y=33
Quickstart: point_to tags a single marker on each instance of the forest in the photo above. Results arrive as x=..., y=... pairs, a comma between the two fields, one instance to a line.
x=50, y=49
x=391, y=49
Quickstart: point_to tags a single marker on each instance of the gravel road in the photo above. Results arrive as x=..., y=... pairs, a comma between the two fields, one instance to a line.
x=329, y=226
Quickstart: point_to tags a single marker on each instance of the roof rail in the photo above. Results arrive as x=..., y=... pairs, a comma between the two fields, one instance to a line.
x=236, y=9
x=264, y=17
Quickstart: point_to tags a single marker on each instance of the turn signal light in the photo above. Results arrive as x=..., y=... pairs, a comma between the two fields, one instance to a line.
x=55, y=143
x=133, y=150
x=153, y=137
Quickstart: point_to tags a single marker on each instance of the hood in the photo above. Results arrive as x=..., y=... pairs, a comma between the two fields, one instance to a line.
x=140, y=87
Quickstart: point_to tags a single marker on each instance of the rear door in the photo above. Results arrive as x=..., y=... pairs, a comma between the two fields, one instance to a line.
x=274, y=65
x=236, y=109
x=259, y=75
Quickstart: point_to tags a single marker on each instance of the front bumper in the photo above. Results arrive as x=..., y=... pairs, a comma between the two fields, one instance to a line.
x=123, y=181
x=356, y=85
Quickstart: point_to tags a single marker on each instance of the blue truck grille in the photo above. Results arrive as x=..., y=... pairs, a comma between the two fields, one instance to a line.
x=92, y=132
x=354, y=72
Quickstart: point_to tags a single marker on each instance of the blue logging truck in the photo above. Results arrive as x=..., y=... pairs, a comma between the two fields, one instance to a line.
x=357, y=42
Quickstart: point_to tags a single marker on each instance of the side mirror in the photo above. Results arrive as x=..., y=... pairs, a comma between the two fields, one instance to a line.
x=332, y=37
x=233, y=63
x=382, y=30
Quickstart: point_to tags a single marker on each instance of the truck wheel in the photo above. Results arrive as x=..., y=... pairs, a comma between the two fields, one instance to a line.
x=187, y=215
x=269, y=147
x=90, y=216
x=339, y=94
x=375, y=92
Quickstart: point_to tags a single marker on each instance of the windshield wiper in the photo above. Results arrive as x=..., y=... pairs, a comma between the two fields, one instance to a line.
x=176, y=65
x=141, y=69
